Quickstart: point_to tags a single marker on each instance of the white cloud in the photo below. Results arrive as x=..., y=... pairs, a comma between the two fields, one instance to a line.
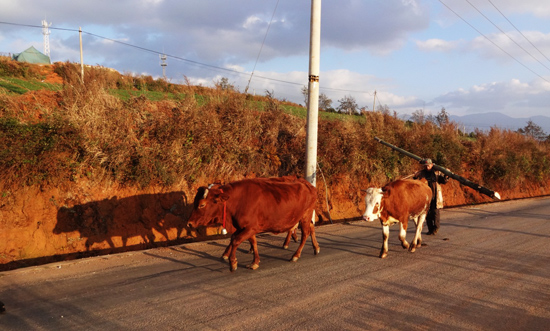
x=437, y=45
x=251, y=21
x=514, y=98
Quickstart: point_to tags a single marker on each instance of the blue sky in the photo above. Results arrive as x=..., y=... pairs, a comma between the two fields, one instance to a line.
x=414, y=54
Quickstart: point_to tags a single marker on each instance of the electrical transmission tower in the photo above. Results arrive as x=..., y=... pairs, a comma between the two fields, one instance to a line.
x=46, y=32
x=163, y=64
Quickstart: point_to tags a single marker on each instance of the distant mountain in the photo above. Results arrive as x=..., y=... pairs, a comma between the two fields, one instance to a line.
x=486, y=121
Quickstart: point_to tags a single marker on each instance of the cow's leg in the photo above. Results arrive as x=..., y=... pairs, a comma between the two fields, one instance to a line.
x=225, y=255
x=417, y=241
x=421, y=221
x=252, y=250
x=287, y=239
x=254, y=247
x=306, y=229
x=385, y=236
x=414, y=243
x=403, y=235
x=291, y=233
x=316, y=247
x=236, y=239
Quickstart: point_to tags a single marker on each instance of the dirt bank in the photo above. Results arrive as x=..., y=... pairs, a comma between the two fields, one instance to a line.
x=41, y=225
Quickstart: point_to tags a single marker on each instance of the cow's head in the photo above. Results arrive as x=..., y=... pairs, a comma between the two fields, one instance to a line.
x=373, y=202
x=207, y=206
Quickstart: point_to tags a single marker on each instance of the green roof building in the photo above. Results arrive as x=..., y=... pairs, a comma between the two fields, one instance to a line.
x=32, y=55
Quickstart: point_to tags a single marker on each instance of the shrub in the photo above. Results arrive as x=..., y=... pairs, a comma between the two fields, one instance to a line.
x=208, y=133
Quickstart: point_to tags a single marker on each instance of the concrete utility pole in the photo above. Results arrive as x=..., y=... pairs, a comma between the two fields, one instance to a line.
x=313, y=92
x=163, y=64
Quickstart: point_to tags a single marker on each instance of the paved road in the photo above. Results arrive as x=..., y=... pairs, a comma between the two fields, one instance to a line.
x=487, y=269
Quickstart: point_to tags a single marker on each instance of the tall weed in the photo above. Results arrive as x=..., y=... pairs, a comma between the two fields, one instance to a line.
x=207, y=134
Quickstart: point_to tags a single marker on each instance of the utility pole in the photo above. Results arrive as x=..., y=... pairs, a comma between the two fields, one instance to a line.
x=374, y=102
x=81, y=56
x=313, y=92
x=163, y=64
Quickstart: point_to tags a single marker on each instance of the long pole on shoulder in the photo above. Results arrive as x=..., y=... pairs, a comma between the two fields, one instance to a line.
x=460, y=179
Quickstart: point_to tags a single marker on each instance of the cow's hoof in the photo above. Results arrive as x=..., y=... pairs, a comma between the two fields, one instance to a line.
x=294, y=259
x=285, y=247
x=383, y=255
x=253, y=266
x=317, y=251
x=233, y=267
x=225, y=258
x=412, y=249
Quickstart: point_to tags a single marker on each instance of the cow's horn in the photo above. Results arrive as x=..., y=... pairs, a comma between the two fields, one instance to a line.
x=205, y=193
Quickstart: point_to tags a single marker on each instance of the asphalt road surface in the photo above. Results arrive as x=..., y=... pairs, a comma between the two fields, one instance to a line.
x=487, y=269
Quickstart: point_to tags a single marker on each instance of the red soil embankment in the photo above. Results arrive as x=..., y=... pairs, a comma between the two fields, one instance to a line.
x=41, y=225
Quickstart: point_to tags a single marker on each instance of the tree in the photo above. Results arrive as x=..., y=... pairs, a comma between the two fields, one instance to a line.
x=347, y=105
x=384, y=109
x=418, y=116
x=442, y=118
x=224, y=84
x=325, y=103
x=533, y=130
x=305, y=93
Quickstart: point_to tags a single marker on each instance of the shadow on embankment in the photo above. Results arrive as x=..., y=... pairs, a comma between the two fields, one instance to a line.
x=114, y=225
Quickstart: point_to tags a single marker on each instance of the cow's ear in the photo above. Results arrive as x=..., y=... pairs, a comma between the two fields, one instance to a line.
x=224, y=196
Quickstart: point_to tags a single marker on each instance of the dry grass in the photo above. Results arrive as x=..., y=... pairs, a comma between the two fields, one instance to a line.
x=208, y=134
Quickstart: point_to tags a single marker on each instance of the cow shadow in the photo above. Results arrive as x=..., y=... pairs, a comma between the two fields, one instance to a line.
x=145, y=220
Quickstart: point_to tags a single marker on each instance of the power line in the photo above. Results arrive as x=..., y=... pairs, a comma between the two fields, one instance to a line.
x=209, y=66
x=261, y=47
x=37, y=26
x=492, y=42
x=512, y=24
x=496, y=26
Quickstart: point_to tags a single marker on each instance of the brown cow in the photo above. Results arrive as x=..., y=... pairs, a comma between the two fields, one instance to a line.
x=397, y=202
x=257, y=205
x=230, y=229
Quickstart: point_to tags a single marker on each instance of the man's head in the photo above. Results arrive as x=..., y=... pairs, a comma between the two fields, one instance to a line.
x=427, y=163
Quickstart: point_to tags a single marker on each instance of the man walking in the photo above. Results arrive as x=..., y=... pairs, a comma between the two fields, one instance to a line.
x=434, y=178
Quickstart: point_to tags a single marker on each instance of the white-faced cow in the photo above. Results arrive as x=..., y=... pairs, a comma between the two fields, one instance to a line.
x=252, y=206
x=399, y=202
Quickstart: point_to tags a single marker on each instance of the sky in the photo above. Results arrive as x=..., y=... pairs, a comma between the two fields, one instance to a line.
x=467, y=56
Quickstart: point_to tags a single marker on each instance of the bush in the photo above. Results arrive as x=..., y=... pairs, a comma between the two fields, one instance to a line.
x=37, y=153
x=204, y=134
x=11, y=68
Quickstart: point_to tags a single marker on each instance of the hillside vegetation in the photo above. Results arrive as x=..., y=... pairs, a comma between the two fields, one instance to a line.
x=123, y=132
x=141, y=131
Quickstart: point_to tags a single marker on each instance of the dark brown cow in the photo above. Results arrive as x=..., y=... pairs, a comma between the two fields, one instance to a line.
x=397, y=202
x=257, y=205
